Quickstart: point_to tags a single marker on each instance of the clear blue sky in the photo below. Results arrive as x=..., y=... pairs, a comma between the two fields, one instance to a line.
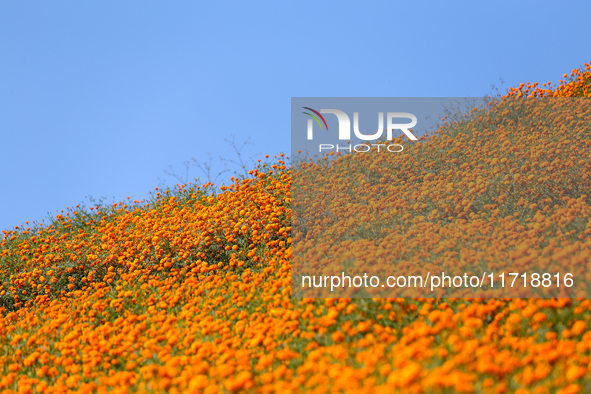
x=98, y=98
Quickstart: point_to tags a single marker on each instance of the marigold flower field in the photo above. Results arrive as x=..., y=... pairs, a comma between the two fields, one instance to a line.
x=191, y=290
x=501, y=189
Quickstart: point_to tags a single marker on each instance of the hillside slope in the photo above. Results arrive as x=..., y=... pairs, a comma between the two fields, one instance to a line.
x=190, y=292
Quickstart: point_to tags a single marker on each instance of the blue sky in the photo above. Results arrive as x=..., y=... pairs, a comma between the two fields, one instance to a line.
x=99, y=98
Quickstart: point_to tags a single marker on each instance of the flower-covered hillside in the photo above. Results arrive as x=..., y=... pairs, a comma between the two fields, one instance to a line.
x=191, y=292
x=504, y=189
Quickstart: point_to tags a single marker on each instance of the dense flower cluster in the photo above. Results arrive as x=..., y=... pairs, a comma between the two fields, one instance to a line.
x=575, y=84
x=191, y=291
x=506, y=188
